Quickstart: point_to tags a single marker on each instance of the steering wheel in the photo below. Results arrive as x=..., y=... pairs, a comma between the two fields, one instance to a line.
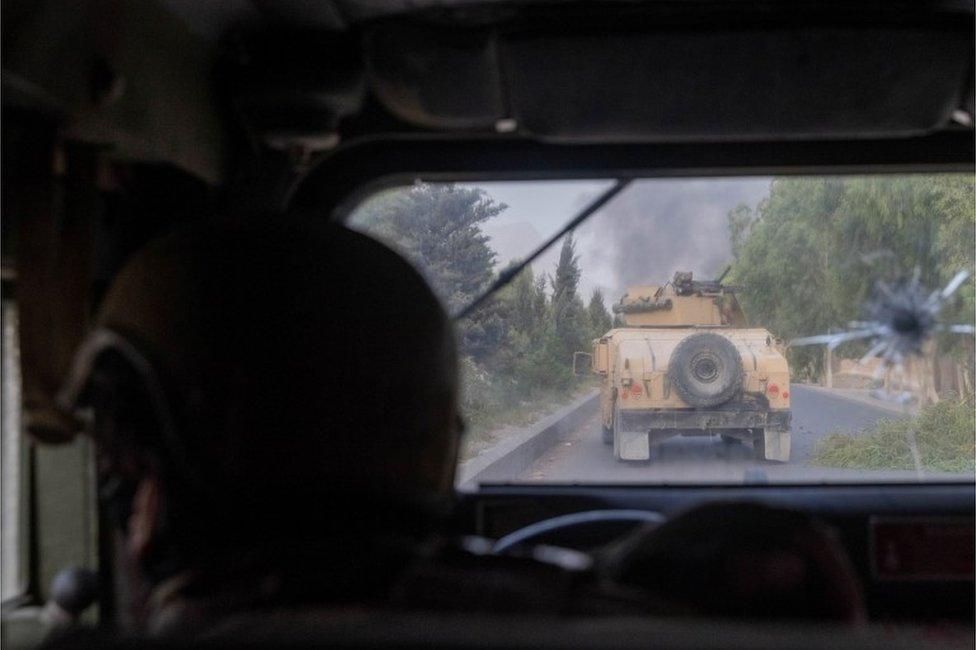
x=579, y=530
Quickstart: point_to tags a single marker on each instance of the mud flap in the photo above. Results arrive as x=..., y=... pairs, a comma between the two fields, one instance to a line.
x=632, y=445
x=776, y=445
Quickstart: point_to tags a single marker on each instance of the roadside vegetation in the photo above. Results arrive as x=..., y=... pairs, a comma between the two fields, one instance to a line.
x=944, y=433
x=517, y=350
x=809, y=254
x=487, y=427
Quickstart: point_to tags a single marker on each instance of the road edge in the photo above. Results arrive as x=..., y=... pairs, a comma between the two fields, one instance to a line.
x=518, y=452
x=843, y=394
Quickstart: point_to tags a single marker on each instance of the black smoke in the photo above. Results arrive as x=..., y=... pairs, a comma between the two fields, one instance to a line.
x=657, y=227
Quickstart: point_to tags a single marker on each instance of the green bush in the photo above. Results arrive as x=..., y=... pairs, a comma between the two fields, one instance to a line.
x=945, y=434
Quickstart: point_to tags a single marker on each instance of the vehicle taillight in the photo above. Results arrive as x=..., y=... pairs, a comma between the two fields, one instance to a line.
x=773, y=389
x=786, y=394
x=635, y=389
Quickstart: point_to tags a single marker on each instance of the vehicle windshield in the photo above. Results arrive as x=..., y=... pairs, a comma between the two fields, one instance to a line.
x=706, y=330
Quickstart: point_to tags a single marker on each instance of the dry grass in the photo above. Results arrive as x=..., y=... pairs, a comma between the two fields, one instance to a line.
x=488, y=428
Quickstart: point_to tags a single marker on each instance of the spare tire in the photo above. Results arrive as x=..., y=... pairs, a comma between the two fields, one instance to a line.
x=706, y=370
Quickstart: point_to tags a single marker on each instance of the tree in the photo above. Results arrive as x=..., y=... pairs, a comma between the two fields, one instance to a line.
x=569, y=327
x=438, y=228
x=566, y=281
x=739, y=218
x=813, y=251
x=540, y=305
x=527, y=316
x=600, y=320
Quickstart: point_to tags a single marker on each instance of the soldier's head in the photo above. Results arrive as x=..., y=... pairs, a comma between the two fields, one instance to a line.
x=257, y=384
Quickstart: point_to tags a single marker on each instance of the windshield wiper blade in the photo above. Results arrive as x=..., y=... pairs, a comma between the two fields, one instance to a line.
x=509, y=274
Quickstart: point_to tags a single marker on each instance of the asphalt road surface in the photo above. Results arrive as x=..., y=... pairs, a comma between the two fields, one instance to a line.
x=583, y=458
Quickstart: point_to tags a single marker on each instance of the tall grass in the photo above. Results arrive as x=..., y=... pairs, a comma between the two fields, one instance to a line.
x=945, y=436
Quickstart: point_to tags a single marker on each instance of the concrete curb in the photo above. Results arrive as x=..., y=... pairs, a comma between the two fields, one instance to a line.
x=516, y=454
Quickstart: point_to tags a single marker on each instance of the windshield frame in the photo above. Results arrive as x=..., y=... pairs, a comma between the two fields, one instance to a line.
x=366, y=167
x=338, y=181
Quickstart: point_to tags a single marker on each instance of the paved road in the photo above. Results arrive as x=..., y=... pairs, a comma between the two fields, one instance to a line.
x=583, y=458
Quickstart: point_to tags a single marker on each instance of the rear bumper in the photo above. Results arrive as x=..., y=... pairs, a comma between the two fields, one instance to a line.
x=691, y=420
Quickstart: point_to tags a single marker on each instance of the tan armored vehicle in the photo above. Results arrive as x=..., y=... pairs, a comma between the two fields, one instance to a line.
x=684, y=363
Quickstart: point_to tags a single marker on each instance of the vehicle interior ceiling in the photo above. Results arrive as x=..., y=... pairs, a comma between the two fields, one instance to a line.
x=123, y=119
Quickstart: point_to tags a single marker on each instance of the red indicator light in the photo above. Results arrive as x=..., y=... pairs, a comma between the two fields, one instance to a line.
x=786, y=394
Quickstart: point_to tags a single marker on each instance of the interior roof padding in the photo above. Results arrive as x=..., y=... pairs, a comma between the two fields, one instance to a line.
x=817, y=81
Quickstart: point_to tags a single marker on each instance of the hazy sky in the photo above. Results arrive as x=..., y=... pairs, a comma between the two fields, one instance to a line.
x=645, y=234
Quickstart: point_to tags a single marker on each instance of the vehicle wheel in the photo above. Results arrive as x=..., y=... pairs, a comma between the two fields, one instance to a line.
x=614, y=438
x=759, y=445
x=729, y=440
x=641, y=452
x=608, y=435
x=705, y=370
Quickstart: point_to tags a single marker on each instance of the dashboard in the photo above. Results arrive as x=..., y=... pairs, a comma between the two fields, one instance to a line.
x=912, y=544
